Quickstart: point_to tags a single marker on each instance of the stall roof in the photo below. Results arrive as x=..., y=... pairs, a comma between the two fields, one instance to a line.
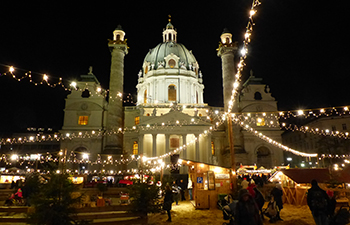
x=344, y=175
x=306, y=175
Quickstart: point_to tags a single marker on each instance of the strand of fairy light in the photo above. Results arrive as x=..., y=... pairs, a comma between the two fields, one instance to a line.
x=244, y=51
x=236, y=84
x=273, y=142
x=72, y=84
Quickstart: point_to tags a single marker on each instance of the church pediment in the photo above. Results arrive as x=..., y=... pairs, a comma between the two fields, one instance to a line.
x=174, y=118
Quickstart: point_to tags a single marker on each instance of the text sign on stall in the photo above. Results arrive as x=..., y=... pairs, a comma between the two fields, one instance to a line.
x=222, y=176
x=199, y=180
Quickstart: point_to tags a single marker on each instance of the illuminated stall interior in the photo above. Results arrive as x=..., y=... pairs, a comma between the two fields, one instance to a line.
x=209, y=182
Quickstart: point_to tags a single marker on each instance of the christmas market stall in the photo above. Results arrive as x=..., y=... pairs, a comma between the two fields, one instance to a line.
x=296, y=182
x=209, y=183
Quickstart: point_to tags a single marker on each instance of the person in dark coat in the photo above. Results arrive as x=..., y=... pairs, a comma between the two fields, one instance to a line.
x=168, y=201
x=332, y=203
x=183, y=188
x=176, y=192
x=260, y=200
x=277, y=194
x=247, y=212
x=318, y=202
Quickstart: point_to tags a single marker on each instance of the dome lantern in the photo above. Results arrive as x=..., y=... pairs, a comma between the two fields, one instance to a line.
x=118, y=34
x=169, y=33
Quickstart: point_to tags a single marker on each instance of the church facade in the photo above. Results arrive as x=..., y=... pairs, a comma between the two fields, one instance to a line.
x=170, y=120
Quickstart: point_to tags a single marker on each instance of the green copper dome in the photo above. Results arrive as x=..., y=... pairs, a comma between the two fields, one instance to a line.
x=157, y=54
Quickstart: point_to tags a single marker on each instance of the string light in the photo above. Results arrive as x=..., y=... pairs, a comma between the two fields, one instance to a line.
x=60, y=83
x=275, y=143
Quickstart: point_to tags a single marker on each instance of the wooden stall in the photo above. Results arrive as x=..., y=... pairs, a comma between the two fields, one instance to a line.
x=209, y=182
x=296, y=182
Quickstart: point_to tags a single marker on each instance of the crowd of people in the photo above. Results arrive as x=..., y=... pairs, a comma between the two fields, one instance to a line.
x=18, y=195
x=248, y=210
x=249, y=207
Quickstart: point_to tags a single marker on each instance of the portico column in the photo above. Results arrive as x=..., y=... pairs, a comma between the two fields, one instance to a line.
x=154, y=143
x=140, y=144
x=197, y=158
x=167, y=146
x=184, y=151
x=210, y=158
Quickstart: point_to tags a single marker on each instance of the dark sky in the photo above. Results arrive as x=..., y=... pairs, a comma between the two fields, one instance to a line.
x=300, y=48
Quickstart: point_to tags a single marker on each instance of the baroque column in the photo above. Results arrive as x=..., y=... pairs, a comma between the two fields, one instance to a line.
x=115, y=114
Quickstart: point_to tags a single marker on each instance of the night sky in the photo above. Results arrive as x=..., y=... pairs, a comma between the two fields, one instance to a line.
x=300, y=49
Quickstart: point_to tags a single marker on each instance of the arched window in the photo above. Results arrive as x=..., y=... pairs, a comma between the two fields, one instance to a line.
x=145, y=97
x=171, y=63
x=135, y=148
x=257, y=96
x=172, y=92
x=85, y=93
x=197, y=97
x=264, y=157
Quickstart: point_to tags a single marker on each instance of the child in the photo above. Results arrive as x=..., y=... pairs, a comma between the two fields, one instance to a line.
x=272, y=210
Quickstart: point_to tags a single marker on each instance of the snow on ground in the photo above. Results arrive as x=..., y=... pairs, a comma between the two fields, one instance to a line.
x=185, y=213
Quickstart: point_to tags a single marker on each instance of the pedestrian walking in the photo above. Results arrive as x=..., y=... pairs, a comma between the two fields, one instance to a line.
x=190, y=187
x=176, y=192
x=182, y=191
x=272, y=210
x=247, y=212
x=318, y=201
x=331, y=204
x=277, y=194
x=260, y=200
x=168, y=201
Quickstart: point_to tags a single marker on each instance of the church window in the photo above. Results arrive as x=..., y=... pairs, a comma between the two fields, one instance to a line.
x=145, y=96
x=172, y=92
x=257, y=96
x=85, y=93
x=212, y=148
x=83, y=120
x=260, y=122
x=334, y=128
x=137, y=120
x=135, y=148
x=146, y=69
x=197, y=97
x=171, y=63
x=344, y=126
